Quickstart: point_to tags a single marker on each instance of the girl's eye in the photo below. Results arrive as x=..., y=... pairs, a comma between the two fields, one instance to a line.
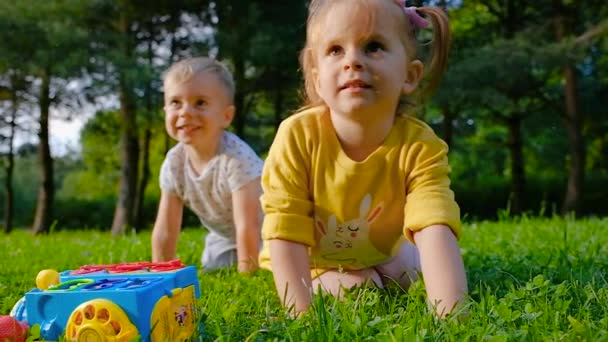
x=373, y=47
x=200, y=103
x=174, y=103
x=334, y=50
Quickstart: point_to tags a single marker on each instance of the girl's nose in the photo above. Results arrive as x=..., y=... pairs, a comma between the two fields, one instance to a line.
x=354, y=64
x=353, y=61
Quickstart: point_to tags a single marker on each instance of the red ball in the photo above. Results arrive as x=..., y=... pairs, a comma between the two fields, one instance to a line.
x=12, y=330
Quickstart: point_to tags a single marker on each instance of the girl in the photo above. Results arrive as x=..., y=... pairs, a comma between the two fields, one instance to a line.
x=356, y=191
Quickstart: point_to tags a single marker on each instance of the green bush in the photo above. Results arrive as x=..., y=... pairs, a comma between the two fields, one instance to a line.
x=487, y=197
x=478, y=200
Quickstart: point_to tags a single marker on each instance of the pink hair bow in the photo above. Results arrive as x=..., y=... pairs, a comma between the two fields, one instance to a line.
x=416, y=20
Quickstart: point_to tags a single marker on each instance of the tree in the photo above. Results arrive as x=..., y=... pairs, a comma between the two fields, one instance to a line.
x=52, y=38
x=565, y=15
x=274, y=49
x=123, y=46
x=10, y=93
x=17, y=85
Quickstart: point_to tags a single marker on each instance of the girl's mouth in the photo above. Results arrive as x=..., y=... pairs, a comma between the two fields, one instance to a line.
x=355, y=85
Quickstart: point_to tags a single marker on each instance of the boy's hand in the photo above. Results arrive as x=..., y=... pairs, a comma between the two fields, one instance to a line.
x=247, y=220
x=247, y=266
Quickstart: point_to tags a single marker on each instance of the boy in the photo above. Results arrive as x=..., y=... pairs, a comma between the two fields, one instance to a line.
x=210, y=170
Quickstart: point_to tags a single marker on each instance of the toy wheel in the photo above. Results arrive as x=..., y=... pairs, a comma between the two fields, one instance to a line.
x=99, y=320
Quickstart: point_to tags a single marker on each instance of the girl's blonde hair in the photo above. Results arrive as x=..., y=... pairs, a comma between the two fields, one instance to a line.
x=436, y=60
x=187, y=68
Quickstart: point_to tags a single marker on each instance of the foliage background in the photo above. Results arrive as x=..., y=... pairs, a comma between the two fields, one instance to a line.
x=502, y=106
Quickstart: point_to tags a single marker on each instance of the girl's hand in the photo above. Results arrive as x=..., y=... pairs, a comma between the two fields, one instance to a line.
x=291, y=271
x=442, y=268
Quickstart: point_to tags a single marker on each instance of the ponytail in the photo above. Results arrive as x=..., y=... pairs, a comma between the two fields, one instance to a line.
x=440, y=47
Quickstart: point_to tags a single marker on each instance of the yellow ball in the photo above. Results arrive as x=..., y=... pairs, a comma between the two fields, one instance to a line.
x=46, y=279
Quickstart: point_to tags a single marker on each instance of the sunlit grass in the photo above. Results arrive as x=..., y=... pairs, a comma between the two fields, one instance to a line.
x=529, y=279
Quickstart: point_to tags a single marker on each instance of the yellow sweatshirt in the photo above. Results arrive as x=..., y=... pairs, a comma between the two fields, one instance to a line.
x=352, y=214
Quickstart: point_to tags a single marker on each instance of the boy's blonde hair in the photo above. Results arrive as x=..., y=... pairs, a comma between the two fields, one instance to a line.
x=437, y=60
x=185, y=69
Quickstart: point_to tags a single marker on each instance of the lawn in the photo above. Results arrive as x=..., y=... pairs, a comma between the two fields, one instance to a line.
x=529, y=279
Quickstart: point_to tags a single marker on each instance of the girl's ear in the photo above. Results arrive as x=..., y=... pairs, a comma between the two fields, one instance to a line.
x=228, y=115
x=315, y=77
x=413, y=76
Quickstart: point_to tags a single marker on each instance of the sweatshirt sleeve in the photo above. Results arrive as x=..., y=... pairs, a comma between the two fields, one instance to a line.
x=429, y=199
x=287, y=200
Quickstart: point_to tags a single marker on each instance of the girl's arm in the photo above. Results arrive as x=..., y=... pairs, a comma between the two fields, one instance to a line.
x=442, y=268
x=247, y=213
x=167, y=227
x=291, y=271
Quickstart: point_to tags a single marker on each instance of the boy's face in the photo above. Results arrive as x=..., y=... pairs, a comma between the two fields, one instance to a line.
x=197, y=110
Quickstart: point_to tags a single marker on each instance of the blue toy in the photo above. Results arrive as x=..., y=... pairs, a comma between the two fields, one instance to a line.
x=123, y=302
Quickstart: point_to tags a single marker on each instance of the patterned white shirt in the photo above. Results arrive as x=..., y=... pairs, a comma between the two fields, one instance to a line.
x=209, y=194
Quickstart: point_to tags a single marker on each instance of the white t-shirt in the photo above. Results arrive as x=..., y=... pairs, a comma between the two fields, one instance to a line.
x=209, y=194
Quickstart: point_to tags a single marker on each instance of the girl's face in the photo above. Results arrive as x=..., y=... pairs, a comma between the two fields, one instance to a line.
x=197, y=110
x=361, y=63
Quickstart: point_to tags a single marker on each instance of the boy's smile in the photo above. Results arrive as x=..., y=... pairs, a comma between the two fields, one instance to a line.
x=187, y=129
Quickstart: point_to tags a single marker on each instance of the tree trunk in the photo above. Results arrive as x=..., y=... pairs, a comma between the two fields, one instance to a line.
x=167, y=142
x=145, y=176
x=235, y=46
x=44, y=205
x=518, y=176
x=166, y=138
x=510, y=23
x=129, y=154
x=448, y=125
x=443, y=4
x=279, y=99
x=239, y=96
x=9, y=199
x=150, y=109
x=573, y=122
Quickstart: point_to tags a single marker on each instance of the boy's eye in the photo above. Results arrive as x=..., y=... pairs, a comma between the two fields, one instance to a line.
x=174, y=103
x=374, y=46
x=199, y=103
x=334, y=50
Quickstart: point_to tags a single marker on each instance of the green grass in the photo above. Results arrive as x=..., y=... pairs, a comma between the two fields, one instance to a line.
x=529, y=279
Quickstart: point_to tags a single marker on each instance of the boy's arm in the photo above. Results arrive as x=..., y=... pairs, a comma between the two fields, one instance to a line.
x=167, y=227
x=442, y=268
x=291, y=271
x=247, y=211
